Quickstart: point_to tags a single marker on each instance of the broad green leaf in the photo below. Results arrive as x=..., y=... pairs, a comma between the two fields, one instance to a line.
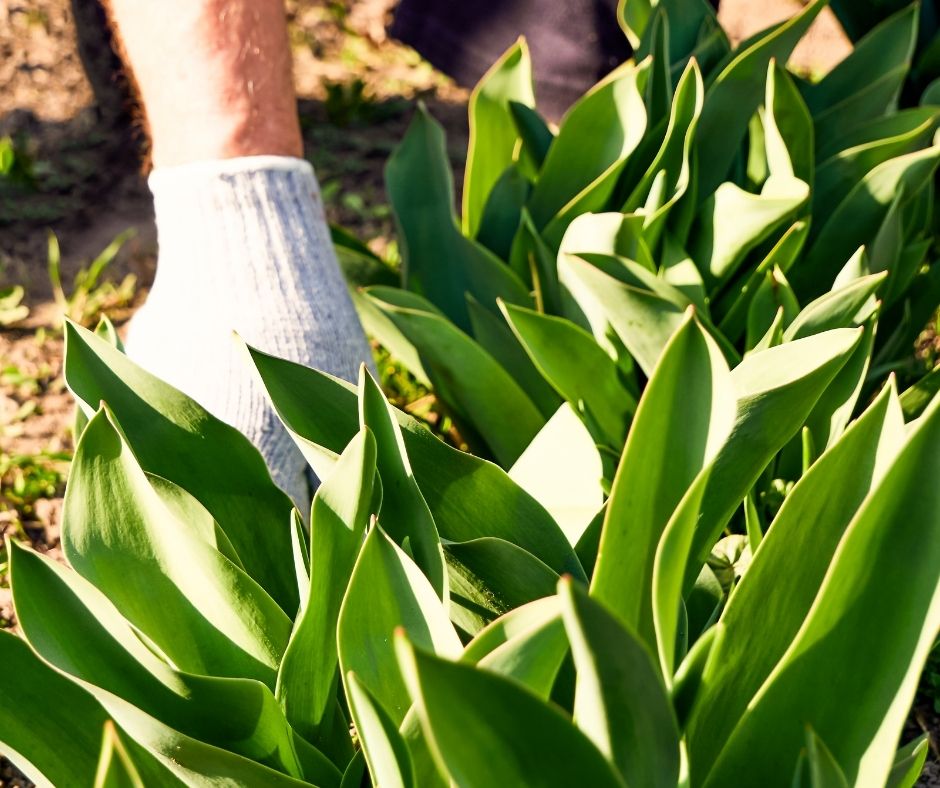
x=495, y=336
x=536, y=137
x=620, y=700
x=49, y=726
x=889, y=559
x=669, y=567
x=838, y=174
x=612, y=115
x=486, y=730
x=489, y=577
x=386, y=752
x=866, y=84
x=690, y=22
x=562, y=470
x=909, y=763
x=306, y=679
x=195, y=763
x=404, y=515
x=732, y=309
x=643, y=320
x=776, y=391
x=735, y=94
x=732, y=222
x=173, y=437
x=466, y=377
x=527, y=644
x=198, y=607
x=535, y=263
x=633, y=17
x=493, y=135
x=502, y=212
x=386, y=591
x=74, y=628
x=772, y=297
x=817, y=767
x=834, y=408
x=767, y=609
x=609, y=233
x=788, y=128
x=859, y=216
x=439, y=262
x=468, y=497
x=916, y=399
x=116, y=767
x=841, y=308
x=682, y=420
x=687, y=683
x=667, y=179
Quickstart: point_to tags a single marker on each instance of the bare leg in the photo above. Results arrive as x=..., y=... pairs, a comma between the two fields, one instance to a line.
x=244, y=243
x=214, y=77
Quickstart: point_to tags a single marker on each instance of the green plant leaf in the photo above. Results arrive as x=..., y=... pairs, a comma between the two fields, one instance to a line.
x=578, y=368
x=465, y=376
x=172, y=583
x=495, y=336
x=733, y=307
x=773, y=296
x=563, y=471
x=404, y=515
x=776, y=390
x=49, y=726
x=770, y=604
x=502, y=213
x=527, y=644
x=175, y=438
x=916, y=399
x=859, y=216
x=683, y=418
x=388, y=590
x=840, y=308
x=866, y=84
x=536, y=137
x=116, y=768
x=612, y=116
x=909, y=763
x=643, y=320
x=468, y=497
x=733, y=222
x=74, y=628
x=493, y=134
x=489, y=577
x=385, y=749
x=668, y=177
x=306, y=679
x=499, y=733
x=734, y=95
x=887, y=138
x=439, y=262
x=620, y=700
x=888, y=560
x=788, y=128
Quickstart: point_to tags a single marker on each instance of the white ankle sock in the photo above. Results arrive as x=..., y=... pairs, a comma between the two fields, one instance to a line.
x=244, y=246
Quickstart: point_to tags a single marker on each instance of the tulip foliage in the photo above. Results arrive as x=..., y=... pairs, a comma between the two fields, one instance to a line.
x=697, y=542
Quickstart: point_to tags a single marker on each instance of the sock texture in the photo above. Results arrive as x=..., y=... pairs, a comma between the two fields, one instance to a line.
x=244, y=246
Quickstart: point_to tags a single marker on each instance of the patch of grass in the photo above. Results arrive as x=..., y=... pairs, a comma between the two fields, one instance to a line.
x=91, y=296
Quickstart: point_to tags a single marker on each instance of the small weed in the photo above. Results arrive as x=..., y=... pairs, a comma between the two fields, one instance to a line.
x=16, y=165
x=90, y=297
x=12, y=309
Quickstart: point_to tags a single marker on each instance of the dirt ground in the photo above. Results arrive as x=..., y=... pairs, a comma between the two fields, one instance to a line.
x=356, y=90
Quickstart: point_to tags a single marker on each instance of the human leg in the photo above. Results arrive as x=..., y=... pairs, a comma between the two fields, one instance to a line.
x=243, y=240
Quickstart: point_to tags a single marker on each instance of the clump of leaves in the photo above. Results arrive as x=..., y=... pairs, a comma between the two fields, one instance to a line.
x=661, y=337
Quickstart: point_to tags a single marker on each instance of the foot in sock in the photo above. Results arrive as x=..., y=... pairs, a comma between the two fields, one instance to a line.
x=244, y=247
